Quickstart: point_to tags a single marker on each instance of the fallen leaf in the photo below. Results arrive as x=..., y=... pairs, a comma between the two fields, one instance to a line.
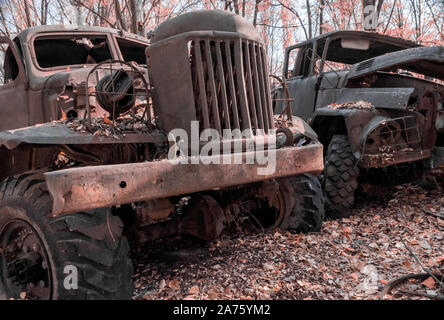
x=107, y=120
x=174, y=284
x=348, y=249
x=213, y=295
x=407, y=264
x=346, y=229
x=429, y=283
x=193, y=290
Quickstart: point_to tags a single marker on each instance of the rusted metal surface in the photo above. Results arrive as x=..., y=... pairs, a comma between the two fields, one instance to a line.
x=31, y=98
x=92, y=114
x=35, y=101
x=287, y=98
x=59, y=133
x=388, y=158
x=386, y=98
x=226, y=84
x=216, y=74
x=91, y=187
x=381, y=75
x=204, y=219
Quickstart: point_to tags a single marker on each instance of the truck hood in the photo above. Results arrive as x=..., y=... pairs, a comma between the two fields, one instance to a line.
x=68, y=77
x=424, y=60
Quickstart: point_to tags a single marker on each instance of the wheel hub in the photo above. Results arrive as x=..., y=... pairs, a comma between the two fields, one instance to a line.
x=23, y=264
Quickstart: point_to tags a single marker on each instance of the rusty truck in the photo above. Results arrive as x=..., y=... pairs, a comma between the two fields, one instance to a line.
x=376, y=103
x=90, y=167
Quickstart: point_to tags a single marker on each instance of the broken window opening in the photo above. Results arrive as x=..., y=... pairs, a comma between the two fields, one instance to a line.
x=9, y=70
x=132, y=51
x=63, y=51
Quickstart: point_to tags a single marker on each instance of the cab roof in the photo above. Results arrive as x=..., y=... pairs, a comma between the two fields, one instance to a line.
x=379, y=44
x=28, y=33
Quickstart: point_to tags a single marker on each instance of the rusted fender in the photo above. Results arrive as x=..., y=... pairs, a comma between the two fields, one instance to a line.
x=87, y=188
x=354, y=119
x=385, y=98
x=58, y=133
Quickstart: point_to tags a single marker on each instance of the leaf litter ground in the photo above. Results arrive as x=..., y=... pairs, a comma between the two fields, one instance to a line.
x=351, y=258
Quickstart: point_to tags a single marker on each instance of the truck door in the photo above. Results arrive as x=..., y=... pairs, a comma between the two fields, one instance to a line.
x=13, y=94
x=301, y=80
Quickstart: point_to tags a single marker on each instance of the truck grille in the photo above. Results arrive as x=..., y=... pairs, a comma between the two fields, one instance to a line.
x=230, y=83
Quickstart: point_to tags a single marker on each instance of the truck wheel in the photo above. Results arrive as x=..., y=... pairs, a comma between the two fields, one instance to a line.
x=42, y=257
x=340, y=178
x=305, y=198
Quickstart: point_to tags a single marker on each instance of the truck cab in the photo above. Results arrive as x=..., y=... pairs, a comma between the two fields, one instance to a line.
x=377, y=98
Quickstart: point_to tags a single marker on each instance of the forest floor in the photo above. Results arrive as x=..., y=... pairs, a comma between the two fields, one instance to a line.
x=351, y=258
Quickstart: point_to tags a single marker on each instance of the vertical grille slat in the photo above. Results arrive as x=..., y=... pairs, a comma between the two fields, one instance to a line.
x=242, y=92
x=222, y=81
x=230, y=81
x=250, y=85
x=257, y=91
x=232, y=86
x=201, y=81
x=212, y=85
x=267, y=88
x=262, y=83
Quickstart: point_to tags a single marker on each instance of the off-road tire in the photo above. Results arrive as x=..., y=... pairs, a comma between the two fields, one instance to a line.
x=304, y=196
x=340, y=178
x=91, y=241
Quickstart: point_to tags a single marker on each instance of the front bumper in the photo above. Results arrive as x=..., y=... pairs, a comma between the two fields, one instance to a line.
x=87, y=188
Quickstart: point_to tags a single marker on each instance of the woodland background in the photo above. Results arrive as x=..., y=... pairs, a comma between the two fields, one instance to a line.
x=280, y=22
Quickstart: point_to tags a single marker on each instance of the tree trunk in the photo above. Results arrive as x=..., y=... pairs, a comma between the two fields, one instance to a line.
x=134, y=15
x=5, y=24
x=256, y=7
x=27, y=14
x=310, y=31
x=236, y=6
x=44, y=11
x=79, y=20
x=119, y=15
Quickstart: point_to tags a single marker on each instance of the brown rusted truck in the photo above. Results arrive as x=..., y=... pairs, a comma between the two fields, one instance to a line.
x=108, y=139
x=376, y=103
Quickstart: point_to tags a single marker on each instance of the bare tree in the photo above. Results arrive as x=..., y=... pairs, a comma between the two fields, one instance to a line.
x=309, y=18
x=134, y=14
x=321, y=16
x=27, y=13
x=119, y=17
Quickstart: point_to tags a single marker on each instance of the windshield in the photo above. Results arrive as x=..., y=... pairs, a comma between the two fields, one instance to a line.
x=57, y=51
x=337, y=53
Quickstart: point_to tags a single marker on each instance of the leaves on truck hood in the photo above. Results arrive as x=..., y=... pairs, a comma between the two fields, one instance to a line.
x=362, y=105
